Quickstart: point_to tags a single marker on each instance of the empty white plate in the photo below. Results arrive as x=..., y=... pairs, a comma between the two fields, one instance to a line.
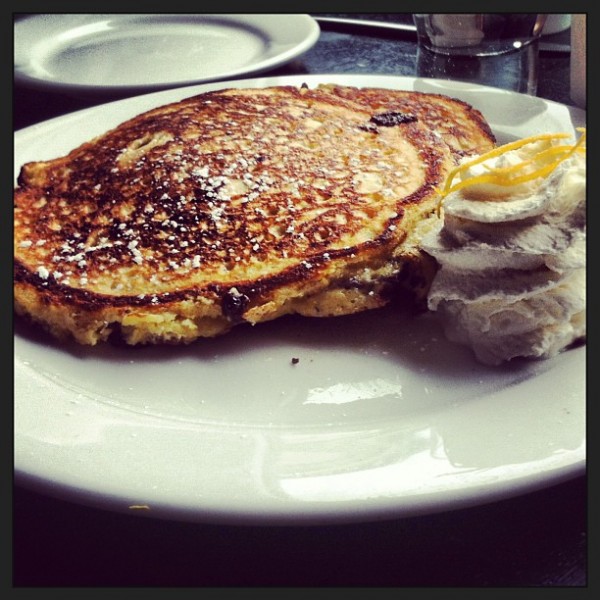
x=138, y=52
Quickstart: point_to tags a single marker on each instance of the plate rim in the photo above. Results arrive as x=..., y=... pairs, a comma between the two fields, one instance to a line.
x=319, y=516
x=391, y=81
x=306, y=25
x=322, y=514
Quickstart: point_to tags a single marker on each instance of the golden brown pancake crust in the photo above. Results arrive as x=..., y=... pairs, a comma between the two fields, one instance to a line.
x=230, y=206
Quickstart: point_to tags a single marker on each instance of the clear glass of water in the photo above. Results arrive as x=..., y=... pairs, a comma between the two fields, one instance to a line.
x=478, y=34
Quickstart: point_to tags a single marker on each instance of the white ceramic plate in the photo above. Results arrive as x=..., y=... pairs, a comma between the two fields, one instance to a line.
x=145, y=52
x=380, y=417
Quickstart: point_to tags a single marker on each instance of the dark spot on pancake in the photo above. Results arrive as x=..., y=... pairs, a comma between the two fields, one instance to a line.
x=389, y=119
x=234, y=305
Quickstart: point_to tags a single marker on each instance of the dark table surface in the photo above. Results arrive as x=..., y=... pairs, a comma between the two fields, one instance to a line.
x=535, y=539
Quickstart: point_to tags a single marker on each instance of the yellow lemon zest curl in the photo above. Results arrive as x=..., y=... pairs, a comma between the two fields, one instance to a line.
x=546, y=161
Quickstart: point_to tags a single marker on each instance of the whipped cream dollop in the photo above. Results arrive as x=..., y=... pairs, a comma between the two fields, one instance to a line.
x=511, y=250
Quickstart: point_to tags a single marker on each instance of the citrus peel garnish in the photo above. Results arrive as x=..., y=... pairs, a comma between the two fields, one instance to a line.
x=548, y=159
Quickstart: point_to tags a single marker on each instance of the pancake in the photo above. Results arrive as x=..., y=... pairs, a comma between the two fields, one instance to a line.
x=230, y=207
